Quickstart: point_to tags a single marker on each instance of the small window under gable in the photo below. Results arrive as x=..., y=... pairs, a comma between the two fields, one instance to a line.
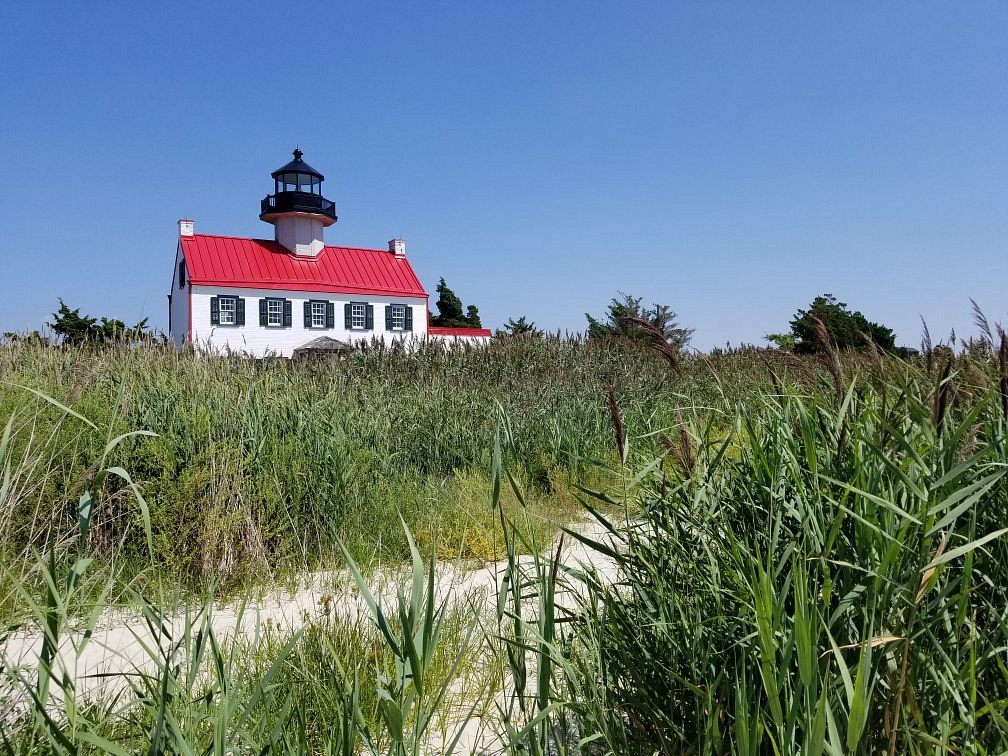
x=181, y=274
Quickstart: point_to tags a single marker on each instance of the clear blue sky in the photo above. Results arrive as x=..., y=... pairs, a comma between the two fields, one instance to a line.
x=731, y=160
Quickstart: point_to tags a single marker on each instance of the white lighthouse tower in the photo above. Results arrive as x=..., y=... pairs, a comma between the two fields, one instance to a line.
x=297, y=209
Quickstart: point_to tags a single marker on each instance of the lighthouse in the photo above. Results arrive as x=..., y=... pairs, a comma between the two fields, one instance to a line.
x=292, y=294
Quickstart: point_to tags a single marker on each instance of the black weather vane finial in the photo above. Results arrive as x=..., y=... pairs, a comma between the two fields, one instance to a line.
x=297, y=153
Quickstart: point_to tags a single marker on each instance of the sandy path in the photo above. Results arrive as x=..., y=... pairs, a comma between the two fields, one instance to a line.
x=122, y=641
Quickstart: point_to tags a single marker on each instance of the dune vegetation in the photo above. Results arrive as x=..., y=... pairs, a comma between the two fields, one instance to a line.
x=780, y=554
x=260, y=467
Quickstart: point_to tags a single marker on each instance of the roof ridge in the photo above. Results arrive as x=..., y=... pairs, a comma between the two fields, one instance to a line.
x=228, y=236
x=273, y=241
x=357, y=249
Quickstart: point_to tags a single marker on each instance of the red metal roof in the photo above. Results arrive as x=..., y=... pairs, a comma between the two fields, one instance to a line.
x=443, y=331
x=262, y=264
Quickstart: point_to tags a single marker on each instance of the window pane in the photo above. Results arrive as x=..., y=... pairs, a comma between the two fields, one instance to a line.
x=318, y=314
x=398, y=317
x=227, y=310
x=357, y=316
x=274, y=312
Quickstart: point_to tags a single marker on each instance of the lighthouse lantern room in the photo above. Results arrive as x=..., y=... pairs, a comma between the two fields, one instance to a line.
x=297, y=209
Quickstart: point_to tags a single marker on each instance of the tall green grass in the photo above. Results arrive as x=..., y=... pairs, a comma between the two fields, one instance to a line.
x=793, y=559
x=829, y=576
x=258, y=468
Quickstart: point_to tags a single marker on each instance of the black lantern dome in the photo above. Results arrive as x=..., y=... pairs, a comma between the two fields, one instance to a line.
x=297, y=188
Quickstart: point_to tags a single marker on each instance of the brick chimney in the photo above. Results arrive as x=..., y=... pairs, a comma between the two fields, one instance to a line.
x=397, y=247
x=186, y=227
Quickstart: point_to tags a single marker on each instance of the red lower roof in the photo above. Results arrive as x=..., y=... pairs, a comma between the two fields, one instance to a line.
x=263, y=264
x=442, y=331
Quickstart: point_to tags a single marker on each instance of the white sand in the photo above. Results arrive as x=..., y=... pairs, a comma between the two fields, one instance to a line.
x=122, y=642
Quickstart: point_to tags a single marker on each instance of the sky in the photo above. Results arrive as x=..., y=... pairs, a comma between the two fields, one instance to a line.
x=729, y=159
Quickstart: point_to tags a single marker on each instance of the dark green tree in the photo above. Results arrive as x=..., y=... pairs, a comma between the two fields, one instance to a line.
x=625, y=315
x=71, y=326
x=115, y=331
x=520, y=327
x=846, y=329
x=472, y=316
x=74, y=328
x=450, y=310
x=449, y=306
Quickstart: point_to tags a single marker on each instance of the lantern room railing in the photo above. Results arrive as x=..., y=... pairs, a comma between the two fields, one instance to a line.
x=292, y=202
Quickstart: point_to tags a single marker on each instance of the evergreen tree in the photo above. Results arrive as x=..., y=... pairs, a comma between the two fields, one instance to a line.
x=623, y=313
x=71, y=326
x=74, y=328
x=472, y=317
x=450, y=310
x=846, y=329
x=520, y=327
x=449, y=306
x=112, y=331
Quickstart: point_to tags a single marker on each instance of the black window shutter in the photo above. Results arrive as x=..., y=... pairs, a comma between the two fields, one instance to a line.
x=330, y=315
x=409, y=318
x=369, y=317
x=263, y=316
x=214, y=311
x=388, y=317
x=181, y=274
x=348, y=312
x=240, y=311
x=307, y=314
x=287, y=313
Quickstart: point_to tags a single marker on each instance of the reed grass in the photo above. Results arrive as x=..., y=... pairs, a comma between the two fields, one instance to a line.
x=795, y=558
x=260, y=467
x=827, y=577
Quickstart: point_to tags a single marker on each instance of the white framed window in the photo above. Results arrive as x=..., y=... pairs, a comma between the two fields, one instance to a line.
x=398, y=317
x=357, y=315
x=318, y=313
x=227, y=311
x=274, y=312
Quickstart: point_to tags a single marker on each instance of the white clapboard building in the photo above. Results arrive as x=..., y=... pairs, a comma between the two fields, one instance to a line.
x=272, y=296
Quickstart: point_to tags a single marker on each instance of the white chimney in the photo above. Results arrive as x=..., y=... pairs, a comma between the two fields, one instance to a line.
x=186, y=227
x=397, y=247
